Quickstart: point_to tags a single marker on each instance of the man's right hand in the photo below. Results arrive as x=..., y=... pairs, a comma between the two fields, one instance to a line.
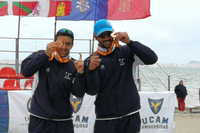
x=50, y=47
x=94, y=61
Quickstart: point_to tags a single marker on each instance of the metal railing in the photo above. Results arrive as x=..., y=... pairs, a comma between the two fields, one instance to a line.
x=17, y=51
x=167, y=87
x=17, y=62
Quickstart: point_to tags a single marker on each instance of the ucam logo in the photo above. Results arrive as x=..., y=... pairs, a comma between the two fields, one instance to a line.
x=155, y=121
x=80, y=120
x=155, y=105
x=76, y=104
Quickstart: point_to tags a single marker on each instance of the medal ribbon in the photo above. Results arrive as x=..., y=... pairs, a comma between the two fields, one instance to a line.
x=58, y=57
x=114, y=44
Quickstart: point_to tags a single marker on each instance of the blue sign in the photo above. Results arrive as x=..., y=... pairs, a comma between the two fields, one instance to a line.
x=4, y=111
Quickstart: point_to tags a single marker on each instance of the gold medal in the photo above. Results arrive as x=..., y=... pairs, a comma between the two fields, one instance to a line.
x=114, y=34
x=59, y=43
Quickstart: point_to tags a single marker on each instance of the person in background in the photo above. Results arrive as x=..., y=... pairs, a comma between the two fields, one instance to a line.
x=181, y=93
x=57, y=77
x=109, y=75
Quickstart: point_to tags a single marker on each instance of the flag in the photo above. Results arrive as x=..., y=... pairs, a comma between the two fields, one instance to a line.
x=3, y=8
x=128, y=9
x=87, y=10
x=108, y=9
x=35, y=8
x=23, y=8
x=59, y=8
x=16, y=8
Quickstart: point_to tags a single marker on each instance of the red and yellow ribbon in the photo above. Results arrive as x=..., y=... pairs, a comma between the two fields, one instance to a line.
x=60, y=59
x=114, y=43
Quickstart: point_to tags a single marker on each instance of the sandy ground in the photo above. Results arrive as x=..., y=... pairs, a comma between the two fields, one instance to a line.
x=188, y=121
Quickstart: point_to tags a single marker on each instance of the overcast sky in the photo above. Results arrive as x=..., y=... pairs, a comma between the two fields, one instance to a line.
x=172, y=30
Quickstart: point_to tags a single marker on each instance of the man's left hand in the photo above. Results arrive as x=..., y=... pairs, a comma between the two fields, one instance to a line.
x=79, y=64
x=123, y=37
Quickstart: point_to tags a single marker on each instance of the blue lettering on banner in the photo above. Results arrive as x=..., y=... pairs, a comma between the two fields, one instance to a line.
x=84, y=119
x=27, y=118
x=165, y=120
x=154, y=126
x=151, y=119
x=155, y=120
x=77, y=118
x=155, y=123
x=158, y=120
x=4, y=111
x=81, y=123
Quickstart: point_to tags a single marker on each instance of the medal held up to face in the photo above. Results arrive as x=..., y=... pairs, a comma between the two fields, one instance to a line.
x=59, y=43
x=114, y=34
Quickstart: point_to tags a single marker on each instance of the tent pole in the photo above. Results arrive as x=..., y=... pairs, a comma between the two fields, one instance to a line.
x=93, y=42
x=55, y=24
x=17, y=48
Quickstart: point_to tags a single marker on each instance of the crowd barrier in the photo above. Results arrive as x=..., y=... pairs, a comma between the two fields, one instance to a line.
x=157, y=112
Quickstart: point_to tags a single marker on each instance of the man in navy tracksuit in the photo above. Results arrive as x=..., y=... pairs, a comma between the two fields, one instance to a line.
x=110, y=75
x=57, y=76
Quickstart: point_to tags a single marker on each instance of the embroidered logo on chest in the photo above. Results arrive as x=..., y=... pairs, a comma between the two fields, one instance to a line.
x=67, y=76
x=122, y=62
x=48, y=70
x=102, y=67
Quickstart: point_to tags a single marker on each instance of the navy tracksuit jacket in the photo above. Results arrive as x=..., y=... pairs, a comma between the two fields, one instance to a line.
x=52, y=86
x=113, y=80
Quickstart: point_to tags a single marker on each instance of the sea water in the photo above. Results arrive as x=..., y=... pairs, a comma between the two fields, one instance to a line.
x=154, y=79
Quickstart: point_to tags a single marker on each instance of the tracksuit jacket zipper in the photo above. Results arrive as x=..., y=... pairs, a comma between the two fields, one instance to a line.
x=52, y=92
x=115, y=82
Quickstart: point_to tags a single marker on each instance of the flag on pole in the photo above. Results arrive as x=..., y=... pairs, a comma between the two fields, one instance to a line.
x=87, y=10
x=3, y=8
x=23, y=8
x=108, y=9
x=128, y=9
x=59, y=8
x=35, y=8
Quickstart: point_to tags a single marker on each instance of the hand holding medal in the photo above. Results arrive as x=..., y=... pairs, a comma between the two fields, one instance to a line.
x=114, y=34
x=59, y=43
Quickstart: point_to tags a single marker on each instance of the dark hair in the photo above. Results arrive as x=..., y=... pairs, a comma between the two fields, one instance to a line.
x=65, y=32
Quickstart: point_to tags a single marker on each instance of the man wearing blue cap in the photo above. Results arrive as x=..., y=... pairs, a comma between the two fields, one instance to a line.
x=110, y=76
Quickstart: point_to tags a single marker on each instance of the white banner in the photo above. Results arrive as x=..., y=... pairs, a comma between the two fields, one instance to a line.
x=157, y=113
x=84, y=115
x=18, y=111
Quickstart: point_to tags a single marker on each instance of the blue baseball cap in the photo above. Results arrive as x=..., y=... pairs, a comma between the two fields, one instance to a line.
x=101, y=26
